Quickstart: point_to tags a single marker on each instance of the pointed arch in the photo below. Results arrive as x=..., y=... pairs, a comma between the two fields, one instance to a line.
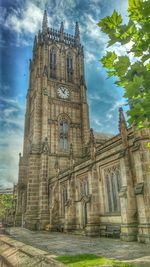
x=113, y=186
x=69, y=67
x=53, y=62
x=63, y=126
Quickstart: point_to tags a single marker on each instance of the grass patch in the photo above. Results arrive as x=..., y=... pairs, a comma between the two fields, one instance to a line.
x=86, y=260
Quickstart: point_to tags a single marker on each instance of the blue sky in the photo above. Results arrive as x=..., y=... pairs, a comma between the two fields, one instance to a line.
x=20, y=21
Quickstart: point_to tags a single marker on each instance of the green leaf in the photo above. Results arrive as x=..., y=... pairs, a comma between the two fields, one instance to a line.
x=110, y=23
x=133, y=88
x=108, y=60
x=116, y=18
x=121, y=66
x=133, y=75
x=145, y=57
x=148, y=66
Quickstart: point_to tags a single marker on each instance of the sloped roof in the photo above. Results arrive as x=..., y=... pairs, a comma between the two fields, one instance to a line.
x=101, y=138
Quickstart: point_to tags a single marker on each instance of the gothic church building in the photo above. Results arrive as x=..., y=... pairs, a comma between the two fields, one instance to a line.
x=70, y=178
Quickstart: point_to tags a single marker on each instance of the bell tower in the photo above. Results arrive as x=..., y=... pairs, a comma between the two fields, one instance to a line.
x=57, y=118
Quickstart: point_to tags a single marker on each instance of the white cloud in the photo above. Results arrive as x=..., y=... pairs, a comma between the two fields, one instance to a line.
x=89, y=57
x=114, y=109
x=118, y=104
x=10, y=145
x=11, y=139
x=29, y=21
x=109, y=116
x=94, y=97
x=97, y=122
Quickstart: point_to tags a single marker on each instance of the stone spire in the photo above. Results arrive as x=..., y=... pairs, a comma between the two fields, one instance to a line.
x=45, y=22
x=123, y=128
x=92, y=144
x=122, y=121
x=62, y=31
x=77, y=33
x=92, y=138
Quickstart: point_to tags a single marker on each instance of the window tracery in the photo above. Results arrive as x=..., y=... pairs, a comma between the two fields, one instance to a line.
x=63, y=134
x=69, y=68
x=52, y=63
x=113, y=185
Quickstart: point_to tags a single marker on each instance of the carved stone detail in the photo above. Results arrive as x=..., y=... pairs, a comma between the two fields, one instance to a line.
x=123, y=192
x=136, y=146
x=45, y=147
x=139, y=188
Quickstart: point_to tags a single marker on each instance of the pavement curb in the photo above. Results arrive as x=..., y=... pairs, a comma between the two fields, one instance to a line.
x=17, y=254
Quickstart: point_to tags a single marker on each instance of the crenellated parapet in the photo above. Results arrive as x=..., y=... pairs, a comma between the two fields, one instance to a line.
x=53, y=35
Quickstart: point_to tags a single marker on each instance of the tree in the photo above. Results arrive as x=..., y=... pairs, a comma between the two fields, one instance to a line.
x=133, y=68
x=6, y=204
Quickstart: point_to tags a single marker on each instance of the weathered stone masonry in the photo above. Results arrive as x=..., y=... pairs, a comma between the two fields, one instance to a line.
x=71, y=179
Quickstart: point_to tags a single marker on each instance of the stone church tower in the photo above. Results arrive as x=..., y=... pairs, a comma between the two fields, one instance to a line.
x=57, y=118
x=70, y=178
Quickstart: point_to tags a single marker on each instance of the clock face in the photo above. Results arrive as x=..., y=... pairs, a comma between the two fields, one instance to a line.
x=63, y=92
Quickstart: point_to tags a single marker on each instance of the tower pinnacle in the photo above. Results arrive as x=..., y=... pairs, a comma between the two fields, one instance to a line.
x=122, y=121
x=44, y=23
x=62, y=27
x=62, y=31
x=77, y=33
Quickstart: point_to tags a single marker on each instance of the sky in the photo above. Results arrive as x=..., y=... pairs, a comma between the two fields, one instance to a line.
x=19, y=22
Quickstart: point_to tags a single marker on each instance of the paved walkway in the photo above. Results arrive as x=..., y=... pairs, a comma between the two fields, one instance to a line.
x=61, y=243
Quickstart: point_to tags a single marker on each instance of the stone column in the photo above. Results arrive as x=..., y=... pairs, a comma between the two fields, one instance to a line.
x=128, y=203
x=43, y=188
x=32, y=191
x=93, y=220
x=22, y=183
x=127, y=195
x=141, y=154
x=43, y=213
x=85, y=114
x=70, y=209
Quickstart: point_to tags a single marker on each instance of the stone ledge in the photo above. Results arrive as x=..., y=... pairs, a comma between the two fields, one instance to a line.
x=19, y=254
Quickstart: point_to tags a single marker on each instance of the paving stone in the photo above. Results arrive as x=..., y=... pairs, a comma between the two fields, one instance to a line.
x=61, y=244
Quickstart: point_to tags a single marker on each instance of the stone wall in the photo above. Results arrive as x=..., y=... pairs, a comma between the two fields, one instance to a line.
x=89, y=210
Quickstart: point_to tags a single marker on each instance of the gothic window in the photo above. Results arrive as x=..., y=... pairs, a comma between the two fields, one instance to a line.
x=119, y=182
x=69, y=68
x=108, y=193
x=84, y=187
x=52, y=63
x=64, y=198
x=113, y=185
x=63, y=134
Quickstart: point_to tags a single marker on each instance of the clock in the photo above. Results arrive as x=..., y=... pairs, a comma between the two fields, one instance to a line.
x=63, y=92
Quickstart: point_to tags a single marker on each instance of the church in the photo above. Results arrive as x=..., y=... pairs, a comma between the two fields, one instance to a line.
x=72, y=179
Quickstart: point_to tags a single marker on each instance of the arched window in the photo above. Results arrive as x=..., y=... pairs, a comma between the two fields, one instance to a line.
x=52, y=63
x=63, y=134
x=108, y=193
x=113, y=187
x=69, y=68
